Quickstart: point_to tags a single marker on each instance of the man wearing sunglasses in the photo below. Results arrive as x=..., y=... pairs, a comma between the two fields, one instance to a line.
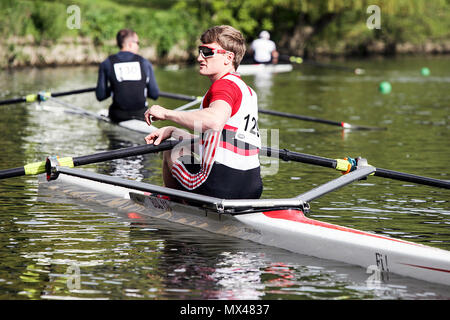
x=129, y=78
x=227, y=121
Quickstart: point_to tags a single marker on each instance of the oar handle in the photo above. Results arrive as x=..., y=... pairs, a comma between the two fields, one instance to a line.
x=40, y=167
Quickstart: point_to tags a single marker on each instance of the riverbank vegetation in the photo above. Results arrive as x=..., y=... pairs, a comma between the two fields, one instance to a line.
x=169, y=29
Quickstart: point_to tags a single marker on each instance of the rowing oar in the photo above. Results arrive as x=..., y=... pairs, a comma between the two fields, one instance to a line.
x=37, y=96
x=346, y=166
x=344, y=125
x=341, y=124
x=39, y=167
x=299, y=60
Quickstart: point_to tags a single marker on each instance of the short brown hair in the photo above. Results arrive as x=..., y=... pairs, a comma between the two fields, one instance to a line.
x=228, y=38
x=122, y=35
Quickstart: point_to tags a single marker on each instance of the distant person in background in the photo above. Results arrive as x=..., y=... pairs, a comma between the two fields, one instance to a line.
x=129, y=78
x=264, y=50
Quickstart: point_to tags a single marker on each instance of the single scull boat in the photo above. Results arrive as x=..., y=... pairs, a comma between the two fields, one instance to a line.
x=275, y=222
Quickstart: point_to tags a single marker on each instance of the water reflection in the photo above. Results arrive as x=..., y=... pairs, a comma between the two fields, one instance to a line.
x=262, y=84
x=130, y=167
x=123, y=254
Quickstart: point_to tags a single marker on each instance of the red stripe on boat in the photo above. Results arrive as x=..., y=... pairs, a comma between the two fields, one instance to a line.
x=428, y=268
x=298, y=216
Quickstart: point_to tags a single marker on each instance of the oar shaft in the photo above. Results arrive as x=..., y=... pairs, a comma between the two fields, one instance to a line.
x=34, y=97
x=60, y=94
x=344, y=125
x=11, y=101
x=300, y=117
x=125, y=152
x=288, y=155
x=11, y=173
x=30, y=98
x=407, y=177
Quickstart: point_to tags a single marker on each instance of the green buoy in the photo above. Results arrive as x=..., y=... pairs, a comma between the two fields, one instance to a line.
x=425, y=71
x=385, y=87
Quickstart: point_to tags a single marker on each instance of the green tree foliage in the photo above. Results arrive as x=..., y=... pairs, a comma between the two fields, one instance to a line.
x=40, y=20
x=337, y=24
x=298, y=26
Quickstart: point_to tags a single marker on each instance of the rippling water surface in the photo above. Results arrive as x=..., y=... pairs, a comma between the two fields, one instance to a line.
x=46, y=237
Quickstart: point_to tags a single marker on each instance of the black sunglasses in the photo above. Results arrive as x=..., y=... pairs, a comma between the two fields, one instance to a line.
x=208, y=52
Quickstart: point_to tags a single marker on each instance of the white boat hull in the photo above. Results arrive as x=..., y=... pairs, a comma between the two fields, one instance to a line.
x=251, y=69
x=374, y=252
x=287, y=229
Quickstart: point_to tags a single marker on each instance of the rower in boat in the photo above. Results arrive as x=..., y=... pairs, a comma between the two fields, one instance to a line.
x=264, y=50
x=129, y=78
x=228, y=123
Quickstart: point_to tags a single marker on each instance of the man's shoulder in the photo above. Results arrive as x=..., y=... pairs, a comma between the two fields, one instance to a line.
x=257, y=41
x=108, y=59
x=225, y=82
x=106, y=64
x=228, y=85
x=126, y=56
x=143, y=60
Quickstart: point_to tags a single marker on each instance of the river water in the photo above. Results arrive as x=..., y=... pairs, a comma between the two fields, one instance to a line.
x=45, y=238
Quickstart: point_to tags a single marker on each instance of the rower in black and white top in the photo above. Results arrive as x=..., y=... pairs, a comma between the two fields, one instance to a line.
x=129, y=78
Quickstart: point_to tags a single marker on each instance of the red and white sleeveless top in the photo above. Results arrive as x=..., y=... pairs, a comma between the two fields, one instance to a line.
x=237, y=146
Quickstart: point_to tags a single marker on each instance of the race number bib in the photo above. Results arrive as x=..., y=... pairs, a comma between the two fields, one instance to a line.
x=250, y=132
x=127, y=71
